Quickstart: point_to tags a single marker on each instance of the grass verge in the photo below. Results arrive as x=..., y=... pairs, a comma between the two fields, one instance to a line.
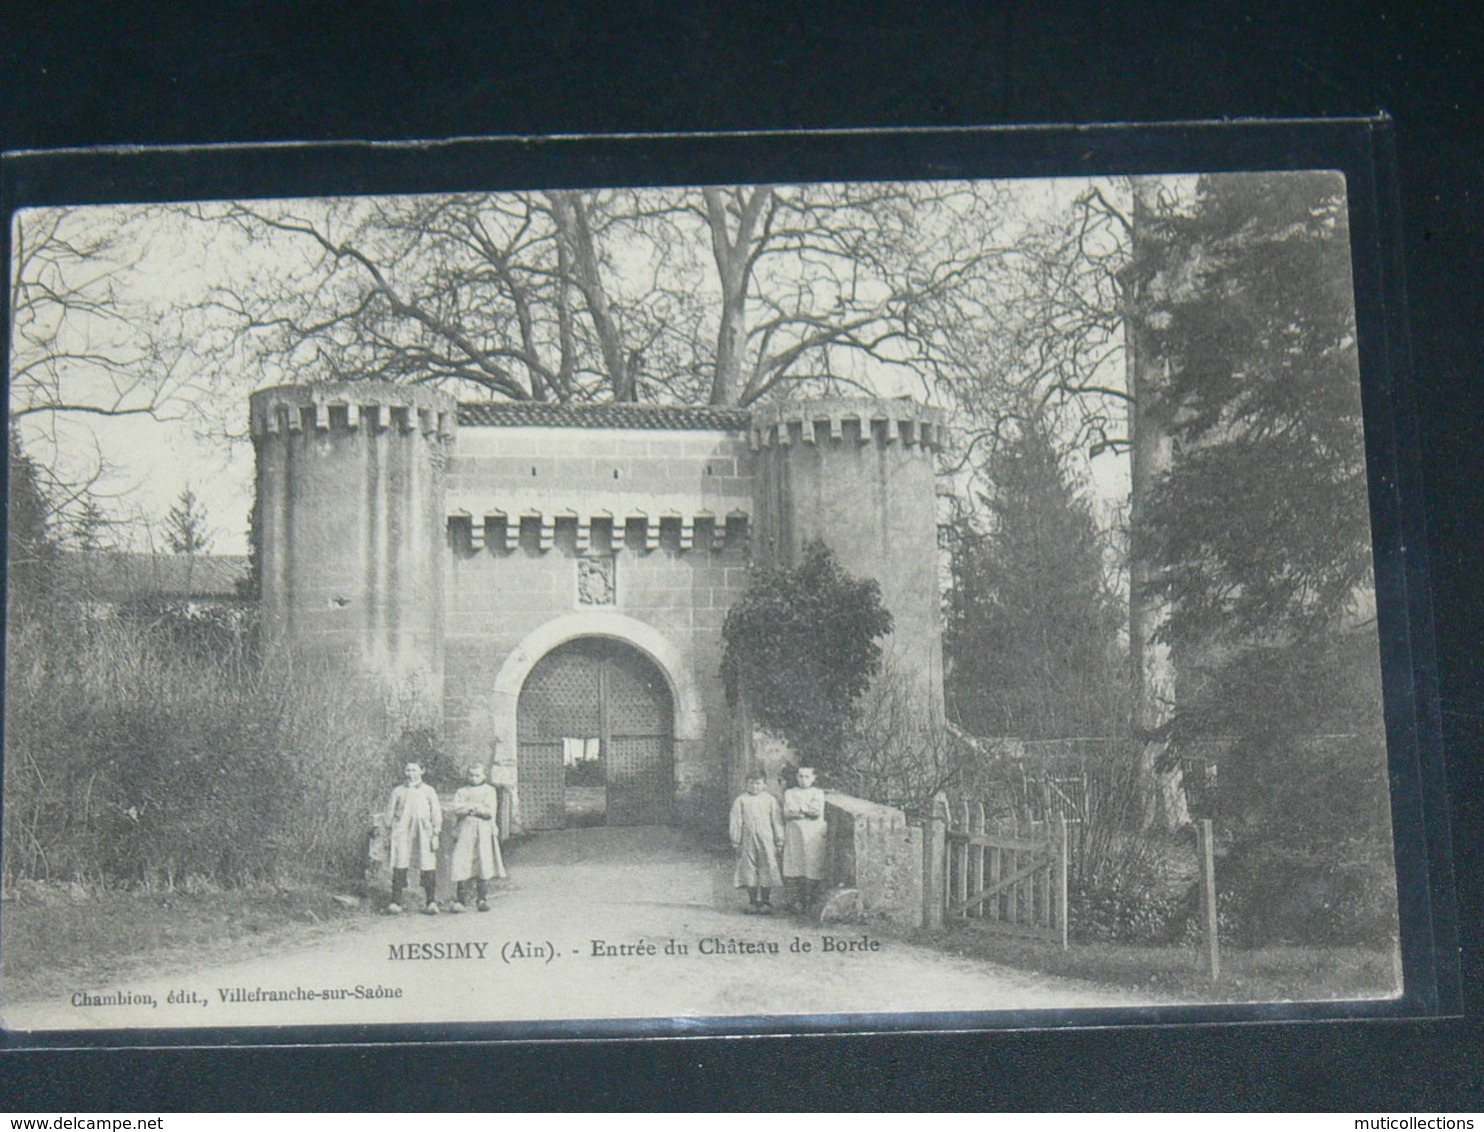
x=61, y=938
x=1266, y=974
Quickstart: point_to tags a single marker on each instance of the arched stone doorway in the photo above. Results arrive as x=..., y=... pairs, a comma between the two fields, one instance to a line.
x=596, y=738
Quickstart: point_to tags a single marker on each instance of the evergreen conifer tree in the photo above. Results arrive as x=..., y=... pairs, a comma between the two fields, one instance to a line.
x=1260, y=537
x=31, y=550
x=186, y=530
x=1032, y=631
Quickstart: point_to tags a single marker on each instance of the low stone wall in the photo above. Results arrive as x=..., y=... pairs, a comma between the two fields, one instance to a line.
x=873, y=850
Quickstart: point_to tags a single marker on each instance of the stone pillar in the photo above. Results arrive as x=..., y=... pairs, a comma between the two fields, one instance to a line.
x=934, y=863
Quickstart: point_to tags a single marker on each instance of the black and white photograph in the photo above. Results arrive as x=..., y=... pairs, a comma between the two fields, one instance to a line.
x=737, y=607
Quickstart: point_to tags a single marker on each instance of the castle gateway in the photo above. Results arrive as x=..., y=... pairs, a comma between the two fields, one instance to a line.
x=548, y=582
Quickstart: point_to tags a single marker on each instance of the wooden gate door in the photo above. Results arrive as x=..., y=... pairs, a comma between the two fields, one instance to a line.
x=1005, y=873
x=595, y=696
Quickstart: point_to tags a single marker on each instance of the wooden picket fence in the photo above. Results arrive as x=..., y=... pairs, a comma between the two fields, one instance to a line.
x=1005, y=873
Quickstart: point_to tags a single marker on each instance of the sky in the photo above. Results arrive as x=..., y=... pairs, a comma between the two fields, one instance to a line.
x=160, y=265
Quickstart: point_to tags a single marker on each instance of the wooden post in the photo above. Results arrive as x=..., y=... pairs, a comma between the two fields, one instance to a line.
x=960, y=866
x=992, y=907
x=1041, y=882
x=1012, y=907
x=1061, y=878
x=976, y=857
x=1208, y=893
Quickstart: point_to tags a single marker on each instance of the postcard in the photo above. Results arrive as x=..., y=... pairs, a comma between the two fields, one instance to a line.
x=677, y=604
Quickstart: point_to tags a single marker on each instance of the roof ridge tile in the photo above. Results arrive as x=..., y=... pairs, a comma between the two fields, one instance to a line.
x=547, y=414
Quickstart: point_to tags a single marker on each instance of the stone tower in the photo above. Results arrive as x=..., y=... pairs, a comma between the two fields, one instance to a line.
x=858, y=475
x=350, y=481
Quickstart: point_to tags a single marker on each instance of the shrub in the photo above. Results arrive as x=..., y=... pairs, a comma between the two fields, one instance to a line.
x=1122, y=912
x=893, y=750
x=1302, y=798
x=799, y=649
x=131, y=758
x=1270, y=893
x=1125, y=885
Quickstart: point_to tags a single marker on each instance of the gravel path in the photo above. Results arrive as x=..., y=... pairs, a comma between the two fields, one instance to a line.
x=594, y=924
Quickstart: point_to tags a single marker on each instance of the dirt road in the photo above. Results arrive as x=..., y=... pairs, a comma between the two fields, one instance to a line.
x=594, y=924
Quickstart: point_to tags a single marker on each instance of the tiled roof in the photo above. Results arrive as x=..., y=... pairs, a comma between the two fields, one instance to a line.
x=544, y=414
x=123, y=575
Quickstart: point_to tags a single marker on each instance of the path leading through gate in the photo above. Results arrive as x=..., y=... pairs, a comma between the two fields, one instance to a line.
x=601, y=923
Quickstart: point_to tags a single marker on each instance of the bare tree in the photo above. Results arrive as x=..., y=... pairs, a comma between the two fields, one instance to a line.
x=88, y=341
x=1044, y=332
x=83, y=341
x=715, y=295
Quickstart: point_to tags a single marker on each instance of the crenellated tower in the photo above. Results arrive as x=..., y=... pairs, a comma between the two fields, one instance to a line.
x=858, y=474
x=350, y=484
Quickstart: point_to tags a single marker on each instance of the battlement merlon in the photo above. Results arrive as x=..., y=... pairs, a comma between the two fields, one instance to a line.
x=349, y=405
x=865, y=419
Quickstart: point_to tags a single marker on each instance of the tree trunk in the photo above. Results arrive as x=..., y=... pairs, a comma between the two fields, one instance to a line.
x=1151, y=450
x=570, y=213
x=733, y=270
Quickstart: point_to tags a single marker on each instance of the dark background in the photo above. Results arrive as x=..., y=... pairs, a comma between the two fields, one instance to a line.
x=82, y=74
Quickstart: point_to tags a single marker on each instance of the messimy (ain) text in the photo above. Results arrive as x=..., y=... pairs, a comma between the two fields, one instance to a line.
x=471, y=949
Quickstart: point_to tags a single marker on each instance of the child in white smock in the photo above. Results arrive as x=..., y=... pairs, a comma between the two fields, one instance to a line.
x=476, y=847
x=415, y=820
x=756, y=827
x=804, y=840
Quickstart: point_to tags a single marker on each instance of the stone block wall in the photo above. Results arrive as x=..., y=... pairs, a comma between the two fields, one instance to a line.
x=874, y=850
x=625, y=471
x=655, y=506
